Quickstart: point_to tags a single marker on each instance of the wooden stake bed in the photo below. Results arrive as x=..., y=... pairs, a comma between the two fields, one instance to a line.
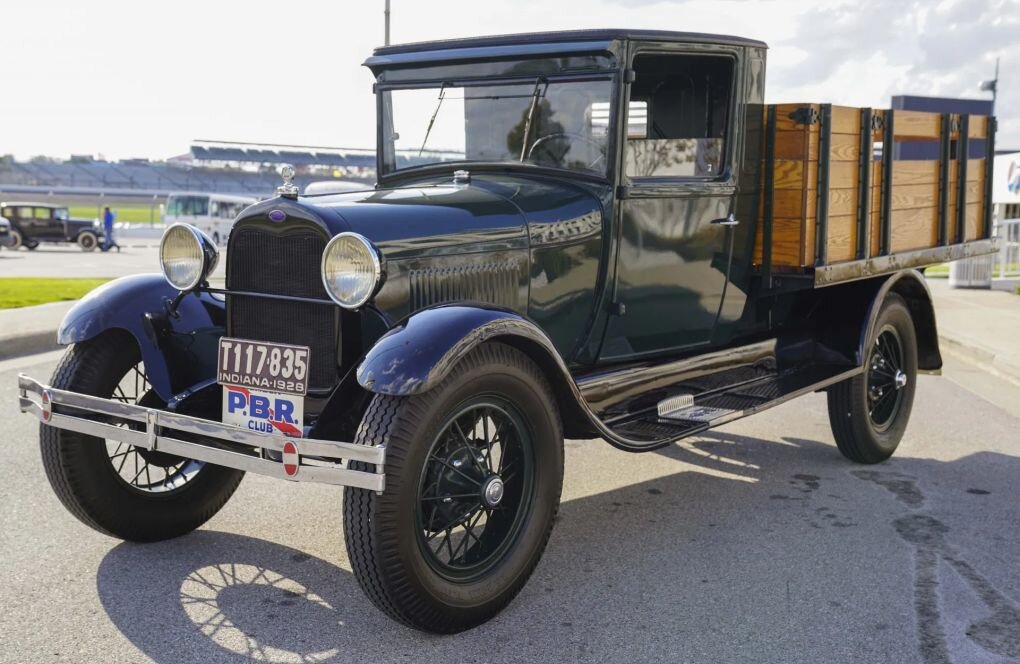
x=830, y=206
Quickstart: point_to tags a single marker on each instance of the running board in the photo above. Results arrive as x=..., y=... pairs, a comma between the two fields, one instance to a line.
x=686, y=413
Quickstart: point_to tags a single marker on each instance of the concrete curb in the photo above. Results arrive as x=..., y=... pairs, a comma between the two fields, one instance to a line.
x=984, y=358
x=31, y=343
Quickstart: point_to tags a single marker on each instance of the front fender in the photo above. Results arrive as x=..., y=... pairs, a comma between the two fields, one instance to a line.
x=420, y=351
x=178, y=350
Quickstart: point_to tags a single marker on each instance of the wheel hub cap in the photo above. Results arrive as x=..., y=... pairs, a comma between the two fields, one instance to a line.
x=492, y=491
x=901, y=380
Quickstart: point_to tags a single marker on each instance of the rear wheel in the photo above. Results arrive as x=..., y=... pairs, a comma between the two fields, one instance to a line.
x=869, y=412
x=474, y=468
x=31, y=245
x=118, y=489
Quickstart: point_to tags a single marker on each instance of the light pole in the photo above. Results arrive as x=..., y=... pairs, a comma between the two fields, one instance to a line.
x=986, y=86
x=386, y=36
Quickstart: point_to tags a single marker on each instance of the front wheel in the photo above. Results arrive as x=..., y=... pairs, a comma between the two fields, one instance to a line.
x=15, y=240
x=87, y=241
x=128, y=492
x=869, y=412
x=473, y=469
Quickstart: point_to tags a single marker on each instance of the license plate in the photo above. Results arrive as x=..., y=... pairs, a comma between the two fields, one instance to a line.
x=263, y=366
x=265, y=412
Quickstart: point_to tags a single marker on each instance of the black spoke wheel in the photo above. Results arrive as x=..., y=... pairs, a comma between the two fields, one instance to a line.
x=473, y=470
x=475, y=488
x=123, y=491
x=869, y=412
x=886, y=378
x=147, y=471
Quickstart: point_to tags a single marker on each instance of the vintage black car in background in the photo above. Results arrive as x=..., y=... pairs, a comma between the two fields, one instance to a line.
x=583, y=235
x=32, y=223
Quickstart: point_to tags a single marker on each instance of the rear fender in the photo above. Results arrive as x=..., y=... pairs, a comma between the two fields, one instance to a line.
x=179, y=349
x=422, y=350
x=844, y=316
x=910, y=285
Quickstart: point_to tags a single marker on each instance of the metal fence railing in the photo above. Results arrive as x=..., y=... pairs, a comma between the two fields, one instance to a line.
x=1009, y=255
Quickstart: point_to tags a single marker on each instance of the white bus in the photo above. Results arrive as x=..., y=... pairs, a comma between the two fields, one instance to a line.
x=212, y=213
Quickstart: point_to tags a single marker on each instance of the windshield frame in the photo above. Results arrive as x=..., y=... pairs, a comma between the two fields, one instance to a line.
x=612, y=75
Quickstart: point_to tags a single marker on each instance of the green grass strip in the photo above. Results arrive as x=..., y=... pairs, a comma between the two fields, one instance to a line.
x=18, y=292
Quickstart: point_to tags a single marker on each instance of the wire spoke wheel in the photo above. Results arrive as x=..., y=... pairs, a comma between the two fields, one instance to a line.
x=144, y=470
x=475, y=488
x=886, y=378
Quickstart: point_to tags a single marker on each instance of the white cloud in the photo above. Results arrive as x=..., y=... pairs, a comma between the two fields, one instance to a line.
x=139, y=79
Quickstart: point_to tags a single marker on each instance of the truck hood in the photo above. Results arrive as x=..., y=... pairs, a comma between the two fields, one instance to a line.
x=426, y=219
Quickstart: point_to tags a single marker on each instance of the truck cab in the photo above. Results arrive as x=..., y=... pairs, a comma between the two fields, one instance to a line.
x=592, y=234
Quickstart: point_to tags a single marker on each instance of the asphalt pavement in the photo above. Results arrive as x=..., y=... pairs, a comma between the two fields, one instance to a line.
x=59, y=260
x=755, y=543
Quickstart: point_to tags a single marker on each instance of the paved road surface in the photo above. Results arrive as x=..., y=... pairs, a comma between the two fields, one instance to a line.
x=757, y=543
x=53, y=260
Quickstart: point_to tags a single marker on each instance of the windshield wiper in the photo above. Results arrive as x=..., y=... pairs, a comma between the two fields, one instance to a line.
x=531, y=114
x=432, y=121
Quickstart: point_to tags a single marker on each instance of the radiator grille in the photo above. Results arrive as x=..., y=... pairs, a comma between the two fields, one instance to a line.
x=494, y=283
x=262, y=261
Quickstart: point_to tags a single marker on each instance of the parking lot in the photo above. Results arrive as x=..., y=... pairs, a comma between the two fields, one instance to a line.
x=756, y=543
x=138, y=255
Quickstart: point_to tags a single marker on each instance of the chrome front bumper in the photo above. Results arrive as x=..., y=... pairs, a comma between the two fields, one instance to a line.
x=298, y=459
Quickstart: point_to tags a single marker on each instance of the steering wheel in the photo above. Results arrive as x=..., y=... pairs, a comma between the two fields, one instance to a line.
x=542, y=140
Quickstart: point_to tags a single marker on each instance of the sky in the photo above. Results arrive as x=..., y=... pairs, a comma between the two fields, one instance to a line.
x=127, y=79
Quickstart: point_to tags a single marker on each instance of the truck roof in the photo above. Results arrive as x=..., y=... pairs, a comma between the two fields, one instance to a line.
x=560, y=36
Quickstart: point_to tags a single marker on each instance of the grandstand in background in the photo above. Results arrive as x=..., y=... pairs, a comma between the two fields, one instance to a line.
x=212, y=166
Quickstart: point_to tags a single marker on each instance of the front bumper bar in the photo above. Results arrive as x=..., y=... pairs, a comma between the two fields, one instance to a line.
x=298, y=459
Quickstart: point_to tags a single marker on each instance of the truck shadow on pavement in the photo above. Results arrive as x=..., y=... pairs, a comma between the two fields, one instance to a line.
x=757, y=550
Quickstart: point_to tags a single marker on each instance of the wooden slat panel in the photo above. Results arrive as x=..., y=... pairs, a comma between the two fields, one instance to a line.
x=790, y=174
x=845, y=147
x=978, y=126
x=783, y=120
x=876, y=207
x=797, y=144
x=808, y=249
x=841, y=238
x=915, y=172
x=975, y=170
x=910, y=196
x=842, y=202
x=972, y=226
x=842, y=175
x=793, y=203
x=846, y=120
x=786, y=242
x=913, y=229
x=917, y=125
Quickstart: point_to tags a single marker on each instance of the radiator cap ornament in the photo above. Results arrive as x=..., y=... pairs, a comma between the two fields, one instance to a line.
x=288, y=189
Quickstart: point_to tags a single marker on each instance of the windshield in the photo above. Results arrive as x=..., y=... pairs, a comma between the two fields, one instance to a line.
x=187, y=206
x=557, y=123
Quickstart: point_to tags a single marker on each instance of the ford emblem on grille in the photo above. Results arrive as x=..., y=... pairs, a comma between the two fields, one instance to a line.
x=277, y=215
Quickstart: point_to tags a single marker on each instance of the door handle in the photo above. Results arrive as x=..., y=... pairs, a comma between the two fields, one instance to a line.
x=728, y=220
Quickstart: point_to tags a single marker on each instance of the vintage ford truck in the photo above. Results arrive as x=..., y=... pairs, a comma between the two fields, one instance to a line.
x=592, y=234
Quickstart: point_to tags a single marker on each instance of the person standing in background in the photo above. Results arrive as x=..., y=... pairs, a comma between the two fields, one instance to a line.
x=108, y=241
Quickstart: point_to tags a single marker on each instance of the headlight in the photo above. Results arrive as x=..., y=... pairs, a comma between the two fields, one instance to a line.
x=351, y=270
x=186, y=256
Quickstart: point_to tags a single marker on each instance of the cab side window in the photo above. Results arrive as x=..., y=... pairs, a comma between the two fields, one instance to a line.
x=678, y=116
